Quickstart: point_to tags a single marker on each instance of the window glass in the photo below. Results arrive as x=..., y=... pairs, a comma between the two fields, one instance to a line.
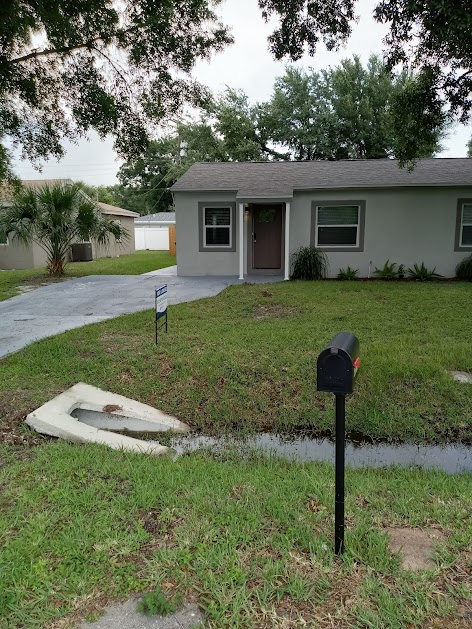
x=217, y=227
x=466, y=227
x=467, y=236
x=337, y=236
x=338, y=215
x=337, y=225
x=217, y=216
x=217, y=236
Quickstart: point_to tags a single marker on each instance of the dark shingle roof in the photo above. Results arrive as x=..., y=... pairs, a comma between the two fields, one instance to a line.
x=159, y=217
x=280, y=179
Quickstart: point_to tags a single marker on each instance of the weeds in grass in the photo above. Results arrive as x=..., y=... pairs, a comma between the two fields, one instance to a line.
x=245, y=362
x=155, y=602
x=241, y=537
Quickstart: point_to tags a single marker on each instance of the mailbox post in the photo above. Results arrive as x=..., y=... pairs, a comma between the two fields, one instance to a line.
x=337, y=368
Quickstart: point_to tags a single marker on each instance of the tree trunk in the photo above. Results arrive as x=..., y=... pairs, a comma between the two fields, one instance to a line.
x=55, y=266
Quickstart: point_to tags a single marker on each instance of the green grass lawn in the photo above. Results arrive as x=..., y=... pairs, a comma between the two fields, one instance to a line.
x=250, y=540
x=246, y=360
x=135, y=264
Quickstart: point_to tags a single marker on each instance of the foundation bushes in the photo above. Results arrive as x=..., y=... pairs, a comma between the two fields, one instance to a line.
x=464, y=269
x=309, y=263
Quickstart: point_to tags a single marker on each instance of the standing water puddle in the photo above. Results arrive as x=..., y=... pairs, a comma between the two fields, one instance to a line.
x=451, y=458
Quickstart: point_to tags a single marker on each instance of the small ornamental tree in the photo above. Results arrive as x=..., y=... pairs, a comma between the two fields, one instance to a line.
x=55, y=217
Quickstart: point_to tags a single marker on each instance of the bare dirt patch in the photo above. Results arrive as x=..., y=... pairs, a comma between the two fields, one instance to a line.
x=111, y=408
x=14, y=406
x=273, y=311
x=32, y=283
x=415, y=546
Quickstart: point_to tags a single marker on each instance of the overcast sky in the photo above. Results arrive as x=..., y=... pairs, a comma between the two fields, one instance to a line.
x=246, y=65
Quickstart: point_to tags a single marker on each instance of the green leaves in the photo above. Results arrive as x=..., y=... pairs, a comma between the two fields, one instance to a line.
x=303, y=23
x=54, y=217
x=101, y=66
x=430, y=38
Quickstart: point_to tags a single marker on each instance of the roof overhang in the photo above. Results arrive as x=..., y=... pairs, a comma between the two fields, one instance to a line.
x=264, y=199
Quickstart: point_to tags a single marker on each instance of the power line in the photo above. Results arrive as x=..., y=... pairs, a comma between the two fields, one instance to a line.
x=61, y=165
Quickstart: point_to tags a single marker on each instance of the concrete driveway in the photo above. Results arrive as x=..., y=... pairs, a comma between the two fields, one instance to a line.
x=59, y=307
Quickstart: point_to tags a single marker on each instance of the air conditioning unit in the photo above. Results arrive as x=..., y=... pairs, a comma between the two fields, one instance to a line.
x=82, y=252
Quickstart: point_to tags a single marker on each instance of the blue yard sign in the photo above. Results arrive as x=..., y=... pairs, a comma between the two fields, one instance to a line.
x=161, y=307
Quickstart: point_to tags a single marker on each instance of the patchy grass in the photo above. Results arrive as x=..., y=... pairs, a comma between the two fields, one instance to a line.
x=250, y=541
x=246, y=360
x=135, y=264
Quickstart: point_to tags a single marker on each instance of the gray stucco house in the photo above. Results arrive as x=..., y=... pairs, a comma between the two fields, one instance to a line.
x=245, y=218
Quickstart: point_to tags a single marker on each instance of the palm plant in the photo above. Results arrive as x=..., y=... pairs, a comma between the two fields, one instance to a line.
x=55, y=217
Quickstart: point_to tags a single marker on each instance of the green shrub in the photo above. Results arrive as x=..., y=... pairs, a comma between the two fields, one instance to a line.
x=388, y=272
x=347, y=274
x=401, y=271
x=423, y=273
x=155, y=603
x=308, y=263
x=464, y=269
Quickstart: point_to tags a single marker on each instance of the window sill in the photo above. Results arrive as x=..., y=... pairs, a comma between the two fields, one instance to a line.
x=340, y=248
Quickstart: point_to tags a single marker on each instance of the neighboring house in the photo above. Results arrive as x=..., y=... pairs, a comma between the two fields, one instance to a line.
x=152, y=231
x=16, y=256
x=244, y=218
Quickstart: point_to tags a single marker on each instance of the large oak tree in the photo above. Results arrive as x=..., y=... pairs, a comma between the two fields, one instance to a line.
x=119, y=66
x=431, y=37
x=68, y=67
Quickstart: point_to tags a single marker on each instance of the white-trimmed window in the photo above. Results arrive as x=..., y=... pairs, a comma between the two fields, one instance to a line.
x=465, y=229
x=337, y=226
x=217, y=230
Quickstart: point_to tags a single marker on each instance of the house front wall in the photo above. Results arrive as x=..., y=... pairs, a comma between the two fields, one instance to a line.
x=403, y=225
x=190, y=260
x=407, y=226
x=16, y=256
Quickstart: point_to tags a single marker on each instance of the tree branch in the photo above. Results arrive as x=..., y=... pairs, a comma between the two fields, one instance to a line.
x=459, y=78
x=54, y=51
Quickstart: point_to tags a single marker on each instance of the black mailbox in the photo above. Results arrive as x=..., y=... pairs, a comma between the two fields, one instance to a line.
x=338, y=364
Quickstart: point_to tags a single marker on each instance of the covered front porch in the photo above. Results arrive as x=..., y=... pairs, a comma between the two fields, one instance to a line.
x=264, y=238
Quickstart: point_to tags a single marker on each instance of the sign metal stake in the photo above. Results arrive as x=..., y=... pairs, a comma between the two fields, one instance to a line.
x=160, y=305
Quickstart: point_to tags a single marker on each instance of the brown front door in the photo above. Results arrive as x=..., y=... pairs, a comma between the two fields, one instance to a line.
x=267, y=237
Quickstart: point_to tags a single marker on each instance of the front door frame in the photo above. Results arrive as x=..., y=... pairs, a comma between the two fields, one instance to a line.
x=250, y=238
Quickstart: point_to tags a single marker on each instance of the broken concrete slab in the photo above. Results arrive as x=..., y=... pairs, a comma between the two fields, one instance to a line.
x=462, y=376
x=125, y=616
x=56, y=418
x=415, y=546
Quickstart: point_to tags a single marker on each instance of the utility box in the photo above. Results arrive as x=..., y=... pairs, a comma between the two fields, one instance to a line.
x=338, y=364
x=82, y=252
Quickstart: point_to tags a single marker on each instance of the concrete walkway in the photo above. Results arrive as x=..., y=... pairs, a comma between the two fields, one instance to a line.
x=59, y=307
x=125, y=616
